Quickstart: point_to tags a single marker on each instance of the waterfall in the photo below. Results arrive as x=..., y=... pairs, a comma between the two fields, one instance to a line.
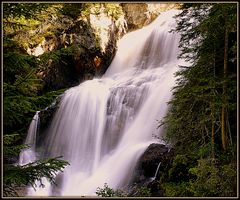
x=29, y=154
x=104, y=125
x=156, y=173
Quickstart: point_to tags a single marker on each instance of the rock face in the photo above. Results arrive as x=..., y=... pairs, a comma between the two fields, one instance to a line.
x=70, y=69
x=87, y=43
x=138, y=15
x=85, y=47
x=80, y=64
x=151, y=166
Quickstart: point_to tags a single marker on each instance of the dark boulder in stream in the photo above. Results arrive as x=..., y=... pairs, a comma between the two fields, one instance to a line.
x=153, y=164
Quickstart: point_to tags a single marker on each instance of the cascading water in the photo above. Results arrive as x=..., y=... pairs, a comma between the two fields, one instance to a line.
x=29, y=155
x=104, y=125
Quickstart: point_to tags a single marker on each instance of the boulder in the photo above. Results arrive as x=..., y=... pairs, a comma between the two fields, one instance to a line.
x=156, y=154
x=152, y=165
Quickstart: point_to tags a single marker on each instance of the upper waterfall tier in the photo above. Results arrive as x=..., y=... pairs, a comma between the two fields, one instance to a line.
x=150, y=47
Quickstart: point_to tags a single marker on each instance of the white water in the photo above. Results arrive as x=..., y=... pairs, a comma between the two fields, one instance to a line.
x=104, y=125
x=29, y=154
x=156, y=173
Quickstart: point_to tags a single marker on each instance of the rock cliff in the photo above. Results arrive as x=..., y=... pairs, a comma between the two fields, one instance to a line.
x=87, y=42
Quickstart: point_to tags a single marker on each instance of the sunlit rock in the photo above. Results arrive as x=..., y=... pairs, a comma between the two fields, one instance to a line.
x=138, y=15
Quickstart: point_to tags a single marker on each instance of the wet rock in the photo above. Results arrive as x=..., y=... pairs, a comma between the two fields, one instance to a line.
x=154, y=155
x=46, y=117
x=153, y=164
x=77, y=46
x=58, y=75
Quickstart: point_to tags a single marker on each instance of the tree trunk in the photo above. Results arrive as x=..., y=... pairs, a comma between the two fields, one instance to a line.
x=223, y=129
x=213, y=141
x=212, y=105
x=223, y=120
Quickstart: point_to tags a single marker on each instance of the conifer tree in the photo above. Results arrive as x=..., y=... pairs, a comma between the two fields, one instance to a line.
x=21, y=100
x=201, y=123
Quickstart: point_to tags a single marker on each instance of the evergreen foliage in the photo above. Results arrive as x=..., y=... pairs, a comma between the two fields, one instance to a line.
x=21, y=84
x=202, y=122
x=28, y=10
x=106, y=191
x=16, y=176
x=21, y=99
